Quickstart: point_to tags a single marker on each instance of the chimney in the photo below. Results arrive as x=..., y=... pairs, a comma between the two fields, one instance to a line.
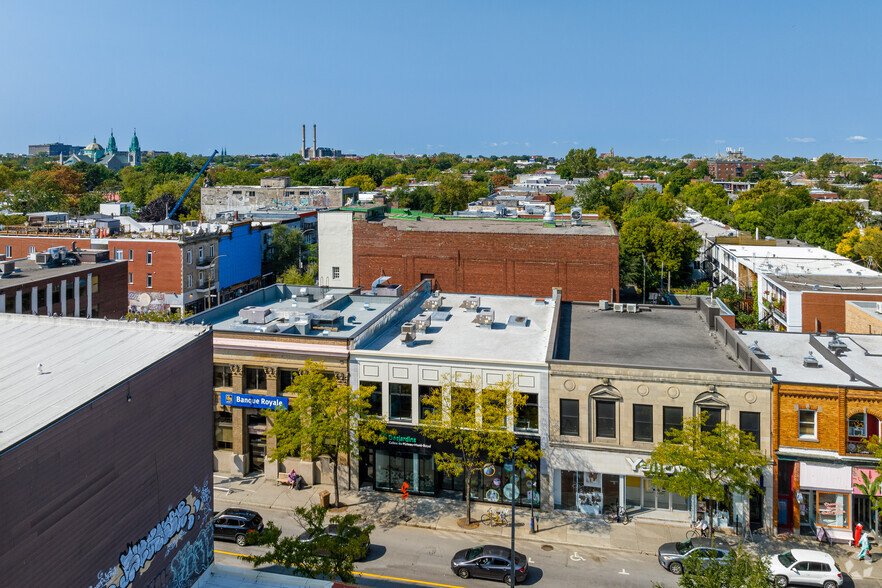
x=303, y=151
x=314, y=144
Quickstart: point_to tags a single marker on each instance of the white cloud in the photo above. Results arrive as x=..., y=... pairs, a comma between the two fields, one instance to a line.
x=575, y=142
x=801, y=139
x=856, y=139
x=554, y=142
x=719, y=141
x=526, y=144
x=494, y=144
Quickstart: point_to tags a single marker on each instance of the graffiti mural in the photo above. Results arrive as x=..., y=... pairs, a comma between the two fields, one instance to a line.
x=193, y=513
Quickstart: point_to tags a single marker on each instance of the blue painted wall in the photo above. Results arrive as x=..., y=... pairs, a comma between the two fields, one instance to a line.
x=243, y=257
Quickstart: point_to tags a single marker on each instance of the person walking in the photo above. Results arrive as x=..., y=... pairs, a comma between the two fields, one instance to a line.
x=865, y=546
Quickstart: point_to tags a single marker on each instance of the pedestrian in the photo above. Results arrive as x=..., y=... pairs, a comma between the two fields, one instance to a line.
x=864, y=545
x=292, y=478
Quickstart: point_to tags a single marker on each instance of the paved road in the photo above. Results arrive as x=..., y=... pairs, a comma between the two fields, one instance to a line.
x=421, y=557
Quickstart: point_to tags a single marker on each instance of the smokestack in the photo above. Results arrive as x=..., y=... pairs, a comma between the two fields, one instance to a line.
x=303, y=151
x=314, y=144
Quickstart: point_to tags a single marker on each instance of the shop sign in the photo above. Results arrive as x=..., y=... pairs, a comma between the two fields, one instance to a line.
x=253, y=400
x=407, y=441
x=640, y=465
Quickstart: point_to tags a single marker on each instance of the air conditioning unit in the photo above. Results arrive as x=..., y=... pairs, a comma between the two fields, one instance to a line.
x=603, y=305
x=576, y=216
x=484, y=318
x=432, y=303
x=618, y=307
x=471, y=303
x=422, y=322
x=631, y=307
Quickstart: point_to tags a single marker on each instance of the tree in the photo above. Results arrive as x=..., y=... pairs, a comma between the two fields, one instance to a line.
x=167, y=164
x=297, y=278
x=7, y=177
x=706, y=463
x=324, y=555
x=324, y=417
x=667, y=246
x=501, y=180
x=158, y=316
x=730, y=296
x=454, y=193
x=396, y=180
x=286, y=245
x=363, y=182
x=580, y=163
x=739, y=569
x=474, y=421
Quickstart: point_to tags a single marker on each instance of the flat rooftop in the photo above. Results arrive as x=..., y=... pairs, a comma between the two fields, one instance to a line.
x=797, y=260
x=29, y=271
x=657, y=336
x=334, y=313
x=481, y=225
x=852, y=284
x=786, y=351
x=82, y=358
x=453, y=334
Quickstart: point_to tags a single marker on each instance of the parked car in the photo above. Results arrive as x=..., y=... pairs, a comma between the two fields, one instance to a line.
x=807, y=567
x=234, y=523
x=489, y=561
x=671, y=555
x=333, y=531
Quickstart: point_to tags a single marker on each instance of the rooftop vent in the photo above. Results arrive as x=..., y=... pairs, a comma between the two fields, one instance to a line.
x=422, y=322
x=254, y=315
x=484, y=318
x=408, y=327
x=810, y=361
x=757, y=350
x=836, y=344
x=518, y=321
x=471, y=303
x=618, y=307
x=603, y=305
x=432, y=303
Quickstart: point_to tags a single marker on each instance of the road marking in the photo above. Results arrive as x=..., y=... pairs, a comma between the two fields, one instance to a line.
x=530, y=560
x=624, y=573
x=367, y=575
x=577, y=557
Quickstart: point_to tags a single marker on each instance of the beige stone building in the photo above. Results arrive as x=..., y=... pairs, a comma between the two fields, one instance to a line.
x=863, y=318
x=618, y=380
x=272, y=193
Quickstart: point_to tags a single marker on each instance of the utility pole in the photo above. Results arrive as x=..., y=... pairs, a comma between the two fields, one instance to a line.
x=514, y=469
x=643, y=257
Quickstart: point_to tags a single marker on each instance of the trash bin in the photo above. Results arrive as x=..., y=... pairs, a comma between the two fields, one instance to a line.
x=325, y=498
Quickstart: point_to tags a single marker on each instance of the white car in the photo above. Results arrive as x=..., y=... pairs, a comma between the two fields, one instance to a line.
x=806, y=567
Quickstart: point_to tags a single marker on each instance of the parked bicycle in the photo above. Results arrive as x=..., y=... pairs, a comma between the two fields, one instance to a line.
x=619, y=515
x=698, y=529
x=494, y=517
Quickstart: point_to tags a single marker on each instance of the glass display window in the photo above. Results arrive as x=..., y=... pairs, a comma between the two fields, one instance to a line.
x=833, y=510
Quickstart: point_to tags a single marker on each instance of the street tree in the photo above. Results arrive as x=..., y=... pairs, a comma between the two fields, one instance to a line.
x=364, y=183
x=580, y=163
x=667, y=246
x=707, y=463
x=324, y=417
x=323, y=555
x=476, y=423
x=739, y=569
x=286, y=245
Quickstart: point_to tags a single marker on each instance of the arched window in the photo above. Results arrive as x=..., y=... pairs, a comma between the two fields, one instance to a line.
x=605, y=402
x=861, y=426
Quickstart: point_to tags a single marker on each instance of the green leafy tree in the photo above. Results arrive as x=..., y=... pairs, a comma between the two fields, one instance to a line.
x=158, y=316
x=168, y=164
x=708, y=464
x=667, y=246
x=455, y=193
x=324, y=417
x=286, y=245
x=364, y=183
x=7, y=177
x=475, y=422
x=396, y=180
x=580, y=163
x=739, y=569
x=298, y=278
x=651, y=203
x=324, y=555
x=730, y=295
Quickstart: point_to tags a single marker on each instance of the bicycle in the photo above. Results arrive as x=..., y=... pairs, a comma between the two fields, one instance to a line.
x=697, y=529
x=493, y=517
x=619, y=515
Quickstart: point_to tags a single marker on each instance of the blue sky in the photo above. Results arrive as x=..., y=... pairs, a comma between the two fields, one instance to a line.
x=659, y=78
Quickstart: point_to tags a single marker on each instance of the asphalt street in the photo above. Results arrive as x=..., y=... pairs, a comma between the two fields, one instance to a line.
x=408, y=556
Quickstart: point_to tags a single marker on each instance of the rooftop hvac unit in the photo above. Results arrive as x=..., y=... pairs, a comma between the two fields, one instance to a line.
x=631, y=307
x=422, y=322
x=576, y=216
x=471, y=303
x=408, y=328
x=603, y=305
x=254, y=315
x=432, y=303
x=810, y=361
x=836, y=345
x=7, y=269
x=618, y=307
x=484, y=318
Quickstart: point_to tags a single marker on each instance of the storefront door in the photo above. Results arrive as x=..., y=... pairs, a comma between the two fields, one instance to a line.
x=256, y=441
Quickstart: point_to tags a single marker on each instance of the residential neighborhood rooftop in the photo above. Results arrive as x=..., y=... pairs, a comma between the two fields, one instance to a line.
x=474, y=225
x=858, y=284
x=797, y=260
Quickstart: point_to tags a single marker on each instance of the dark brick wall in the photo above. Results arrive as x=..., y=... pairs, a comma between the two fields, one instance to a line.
x=78, y=493
x=828, y=309
x=585, y=266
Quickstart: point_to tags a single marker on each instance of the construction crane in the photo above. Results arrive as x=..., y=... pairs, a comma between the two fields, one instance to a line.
x=190, y=187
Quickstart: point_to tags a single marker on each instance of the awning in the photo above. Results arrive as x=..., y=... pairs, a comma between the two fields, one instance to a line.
x=827, y=478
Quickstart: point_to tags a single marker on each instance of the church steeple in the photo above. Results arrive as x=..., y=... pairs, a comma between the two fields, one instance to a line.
x=111, y=144
x=135, y=150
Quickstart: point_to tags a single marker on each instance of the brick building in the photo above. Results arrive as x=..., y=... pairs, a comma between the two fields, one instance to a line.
x=81, y=284
x=863, y=317
x=826, y=403
x=481, y=256
x=729, y=170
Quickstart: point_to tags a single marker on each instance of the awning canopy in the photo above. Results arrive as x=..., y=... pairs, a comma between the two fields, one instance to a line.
x=813, y=476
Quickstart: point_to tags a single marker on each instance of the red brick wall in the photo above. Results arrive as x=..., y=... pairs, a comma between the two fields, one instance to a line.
x=585, y=266
x=829, y=309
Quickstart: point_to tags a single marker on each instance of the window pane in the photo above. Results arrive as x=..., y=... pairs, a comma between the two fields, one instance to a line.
x=376, y=397
x=528, y=416
x=285, y=378
x=399, y=402
x=806, y=423
x=642, y=422
x=605, y=418
x=714, y=416
x=750, y=423
x=672, y=418
x=569, y=417
x=223, y=376
x=424, y=392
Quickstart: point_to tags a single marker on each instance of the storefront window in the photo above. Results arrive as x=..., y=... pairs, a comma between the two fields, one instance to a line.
x=632, y=492
x=679, y=502
x=400, y=408
x=376, y=398
x=393, y=468
x=223, y=430
x=494, y=484
x=223, y=376
x=833, y=510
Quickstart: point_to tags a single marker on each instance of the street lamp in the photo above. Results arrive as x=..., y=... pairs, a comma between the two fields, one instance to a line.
x=211, y=265
x=514, y=469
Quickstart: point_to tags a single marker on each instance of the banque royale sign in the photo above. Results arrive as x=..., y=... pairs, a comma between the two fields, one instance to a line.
x=253, y=400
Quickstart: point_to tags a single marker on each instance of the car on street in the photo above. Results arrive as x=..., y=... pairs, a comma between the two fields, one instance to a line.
x=333, y=531
x=672, y=555
x=234, y=523
x=489, y=561
x=806, y=567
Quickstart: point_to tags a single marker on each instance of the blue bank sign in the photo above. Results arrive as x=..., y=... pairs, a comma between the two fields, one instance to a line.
x=253, y=400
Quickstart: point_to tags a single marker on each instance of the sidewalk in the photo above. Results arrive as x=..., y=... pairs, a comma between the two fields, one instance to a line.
x=387, y=508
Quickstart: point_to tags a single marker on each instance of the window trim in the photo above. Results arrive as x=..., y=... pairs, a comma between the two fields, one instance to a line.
x=814, y=435
x=634, y=421
x=570, y=417
x=606, y=401
x=150, y=281
x=149, y=257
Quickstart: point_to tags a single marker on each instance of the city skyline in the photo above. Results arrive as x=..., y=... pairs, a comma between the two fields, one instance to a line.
x=498, y=79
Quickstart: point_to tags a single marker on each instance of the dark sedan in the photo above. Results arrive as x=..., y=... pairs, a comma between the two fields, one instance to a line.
x=332, y=531
x=234, y=523
x=489, y=561
x=671, y=555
